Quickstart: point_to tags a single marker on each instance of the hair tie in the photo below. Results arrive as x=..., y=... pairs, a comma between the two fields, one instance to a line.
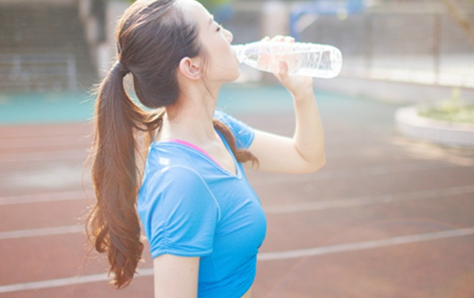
x=119, y=69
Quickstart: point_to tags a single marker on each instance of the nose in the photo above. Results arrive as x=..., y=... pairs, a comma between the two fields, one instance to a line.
x=229, y=35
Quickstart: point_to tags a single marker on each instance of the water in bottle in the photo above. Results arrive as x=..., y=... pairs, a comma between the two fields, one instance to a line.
x=304, y=59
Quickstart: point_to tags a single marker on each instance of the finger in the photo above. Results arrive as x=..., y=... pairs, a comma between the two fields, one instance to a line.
x=278, y=38
x=283, y=70
x=289, y=39
x=266, y=38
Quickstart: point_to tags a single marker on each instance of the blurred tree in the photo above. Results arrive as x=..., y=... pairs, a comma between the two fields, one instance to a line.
x=457, y=12
x=212, y=4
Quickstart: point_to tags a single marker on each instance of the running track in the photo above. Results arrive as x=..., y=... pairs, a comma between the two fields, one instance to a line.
x=387, y=217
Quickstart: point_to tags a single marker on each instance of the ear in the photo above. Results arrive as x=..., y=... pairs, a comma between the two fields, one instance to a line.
x=191, y=68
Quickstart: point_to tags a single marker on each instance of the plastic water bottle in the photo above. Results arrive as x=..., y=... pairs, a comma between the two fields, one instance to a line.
x=304, y=59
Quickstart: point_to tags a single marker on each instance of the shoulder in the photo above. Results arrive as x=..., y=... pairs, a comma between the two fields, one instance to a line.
x=179, y=213
x=225, y=118
x=177, y=186
x=243, y=133
x=177, y=176
x=171, y=158
x=220, y=115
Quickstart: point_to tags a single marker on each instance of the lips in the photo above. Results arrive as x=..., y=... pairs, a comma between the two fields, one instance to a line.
x=234, y=53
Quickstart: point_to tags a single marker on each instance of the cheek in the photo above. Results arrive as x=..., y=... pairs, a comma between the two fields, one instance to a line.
x=222, y=58
x=222, y=55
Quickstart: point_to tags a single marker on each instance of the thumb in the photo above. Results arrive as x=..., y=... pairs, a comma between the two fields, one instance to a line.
x=283, y=70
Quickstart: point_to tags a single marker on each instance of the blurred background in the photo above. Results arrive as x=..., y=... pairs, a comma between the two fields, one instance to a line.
x=390, y=215
x=69, y=44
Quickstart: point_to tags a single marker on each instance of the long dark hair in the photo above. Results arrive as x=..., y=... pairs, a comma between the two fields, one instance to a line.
x=152, y=38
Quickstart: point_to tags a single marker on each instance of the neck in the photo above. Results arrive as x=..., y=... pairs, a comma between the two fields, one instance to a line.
x=190, y=119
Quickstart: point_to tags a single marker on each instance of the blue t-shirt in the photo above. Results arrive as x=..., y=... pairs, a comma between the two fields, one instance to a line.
x=191, y=206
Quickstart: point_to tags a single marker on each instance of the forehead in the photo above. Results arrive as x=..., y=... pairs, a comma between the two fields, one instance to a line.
x=195, y=11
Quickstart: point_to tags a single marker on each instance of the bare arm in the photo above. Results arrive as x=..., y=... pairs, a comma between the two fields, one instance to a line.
x=304, y=153
x=175, y=277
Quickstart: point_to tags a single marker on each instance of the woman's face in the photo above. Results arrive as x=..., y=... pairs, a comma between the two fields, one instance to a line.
x=222, y=62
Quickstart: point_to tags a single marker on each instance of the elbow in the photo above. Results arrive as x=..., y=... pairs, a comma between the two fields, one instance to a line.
x=313, y=163
x=319, y=165
x=316, y=165
x=319, y=160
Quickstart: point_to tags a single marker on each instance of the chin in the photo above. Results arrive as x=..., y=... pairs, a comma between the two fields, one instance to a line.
x=237, y=75
x=230, y=75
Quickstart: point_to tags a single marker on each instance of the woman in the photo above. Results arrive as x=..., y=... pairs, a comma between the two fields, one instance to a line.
x=202, y=219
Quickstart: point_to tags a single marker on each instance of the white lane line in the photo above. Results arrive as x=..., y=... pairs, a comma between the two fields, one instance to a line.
x=283, y=179
x=269, y=256
x=42, y=232
x=388, y=198
x=324, y=250
x=349, y=173
x=62, y=142
x=282, y=209
x=63, y=155
x=44, y=197
x=62, y=282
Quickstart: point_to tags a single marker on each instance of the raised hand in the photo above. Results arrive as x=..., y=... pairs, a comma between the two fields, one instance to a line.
x=296, y=85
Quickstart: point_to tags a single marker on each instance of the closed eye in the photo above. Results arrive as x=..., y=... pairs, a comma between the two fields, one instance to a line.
x=219, y=27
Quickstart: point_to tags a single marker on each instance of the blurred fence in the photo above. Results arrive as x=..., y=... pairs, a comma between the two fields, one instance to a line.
x=38, y=71
x=43, y=48
x=406, y=42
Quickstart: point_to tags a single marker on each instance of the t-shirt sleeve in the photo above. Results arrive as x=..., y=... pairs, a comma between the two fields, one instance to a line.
x=180, y=213
x=243, y=133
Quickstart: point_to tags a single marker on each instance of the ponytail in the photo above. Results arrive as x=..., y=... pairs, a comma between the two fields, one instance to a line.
x=112, y=224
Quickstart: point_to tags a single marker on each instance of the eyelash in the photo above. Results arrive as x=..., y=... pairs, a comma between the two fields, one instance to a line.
x=219, y=27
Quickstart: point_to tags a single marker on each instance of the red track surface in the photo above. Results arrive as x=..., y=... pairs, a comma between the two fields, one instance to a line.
x=377, y=186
